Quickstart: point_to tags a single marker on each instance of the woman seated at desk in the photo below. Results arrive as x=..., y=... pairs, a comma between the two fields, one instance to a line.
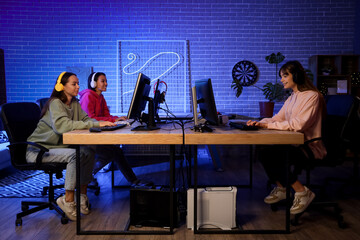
x=61, y=114
x=302, y=112
x=93, y=102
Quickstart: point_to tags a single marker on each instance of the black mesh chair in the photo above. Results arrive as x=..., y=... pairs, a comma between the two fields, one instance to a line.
x=20, y=120
x=41, y=102
x=350, y=136
x=336, y=126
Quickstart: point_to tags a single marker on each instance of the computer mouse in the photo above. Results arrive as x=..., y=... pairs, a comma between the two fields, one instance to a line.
x=95, y=129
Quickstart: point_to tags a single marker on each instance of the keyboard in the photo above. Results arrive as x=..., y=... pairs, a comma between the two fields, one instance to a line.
x=243, y=126
x=127, y=122
x=107, y=128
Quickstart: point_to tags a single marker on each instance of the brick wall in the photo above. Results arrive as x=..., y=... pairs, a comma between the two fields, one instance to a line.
x=42, y=38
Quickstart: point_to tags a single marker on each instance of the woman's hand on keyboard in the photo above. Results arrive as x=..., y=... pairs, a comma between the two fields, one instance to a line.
x=106, y=123
x=258, y=124
x=122, y=118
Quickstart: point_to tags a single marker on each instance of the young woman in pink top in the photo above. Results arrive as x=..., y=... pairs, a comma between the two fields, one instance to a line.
x=92, y=101
x=302, y=112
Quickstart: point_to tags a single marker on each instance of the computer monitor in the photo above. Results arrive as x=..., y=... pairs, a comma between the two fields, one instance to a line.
x=206, y=101
x=138, y=103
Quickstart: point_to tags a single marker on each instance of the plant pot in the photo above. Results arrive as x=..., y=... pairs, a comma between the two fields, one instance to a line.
x=266, y=109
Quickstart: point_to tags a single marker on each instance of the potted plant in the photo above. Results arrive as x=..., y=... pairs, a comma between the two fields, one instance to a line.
x=274, y=92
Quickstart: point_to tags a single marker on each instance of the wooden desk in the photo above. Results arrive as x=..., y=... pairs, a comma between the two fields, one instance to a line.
x=220, y=136
x=229, y=136
x=165, y=135
x=125, y=136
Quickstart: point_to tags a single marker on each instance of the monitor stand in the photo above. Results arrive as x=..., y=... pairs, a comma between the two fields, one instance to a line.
x=202, y=128
x=148, y=118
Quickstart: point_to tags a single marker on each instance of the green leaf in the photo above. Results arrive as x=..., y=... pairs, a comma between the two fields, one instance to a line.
x=237, y=87
x=275, y=58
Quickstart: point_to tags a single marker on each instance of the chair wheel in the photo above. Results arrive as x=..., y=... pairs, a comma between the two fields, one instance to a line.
x=24, y=207
x=18, y=222
x=294, y=222
x=64, y=220
x=274, y=207
x=342, y=224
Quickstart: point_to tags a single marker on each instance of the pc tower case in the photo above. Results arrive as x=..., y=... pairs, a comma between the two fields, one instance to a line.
x=151, y=207
x=216, y=208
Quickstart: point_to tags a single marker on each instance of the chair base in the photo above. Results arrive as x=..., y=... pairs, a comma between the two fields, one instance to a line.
x=322, y=206
x=38, y=207
x=317, y=206
x=46, y=189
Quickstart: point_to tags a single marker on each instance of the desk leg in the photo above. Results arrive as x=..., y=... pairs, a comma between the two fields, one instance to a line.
x=288, y=200
x=172, y=187
x=251, y=160
x=78, y=215
x=195, y=188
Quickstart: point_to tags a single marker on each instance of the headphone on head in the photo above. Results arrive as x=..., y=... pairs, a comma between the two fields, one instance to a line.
x=299, y=77
x=92, y=82
x=299, y=73
x=162, y=95
x=59, y=86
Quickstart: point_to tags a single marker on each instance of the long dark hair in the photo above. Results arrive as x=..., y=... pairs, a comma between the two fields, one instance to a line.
x=55, y=94
x=302, y=80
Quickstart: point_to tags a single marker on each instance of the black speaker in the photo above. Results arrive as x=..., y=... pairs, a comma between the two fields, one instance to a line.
x=151, y=207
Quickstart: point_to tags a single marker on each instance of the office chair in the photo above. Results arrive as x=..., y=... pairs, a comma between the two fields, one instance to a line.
x=335, y=127
x=41, y=102
x=20, y=120
x=350, y=135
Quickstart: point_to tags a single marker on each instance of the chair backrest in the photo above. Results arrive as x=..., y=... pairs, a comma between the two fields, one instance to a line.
x=41, y=102
x=20, y=120
x=351, y=130
x=338, y=111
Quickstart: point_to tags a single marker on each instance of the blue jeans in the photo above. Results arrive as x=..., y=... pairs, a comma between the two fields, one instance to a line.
x=68, y=155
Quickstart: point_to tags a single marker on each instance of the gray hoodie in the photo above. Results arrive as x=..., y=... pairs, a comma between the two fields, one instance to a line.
x=58, y=119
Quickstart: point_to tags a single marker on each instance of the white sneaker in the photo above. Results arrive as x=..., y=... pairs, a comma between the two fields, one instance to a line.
x=276, y=195
x=84, y=204
x=302, y=201
x=69, y=208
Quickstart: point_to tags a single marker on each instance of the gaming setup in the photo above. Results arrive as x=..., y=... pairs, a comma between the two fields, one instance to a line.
x=202, y=96
x=148, y=205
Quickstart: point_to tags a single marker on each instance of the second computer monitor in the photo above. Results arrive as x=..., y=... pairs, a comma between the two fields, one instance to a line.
x=206, y=101
x=140, y=97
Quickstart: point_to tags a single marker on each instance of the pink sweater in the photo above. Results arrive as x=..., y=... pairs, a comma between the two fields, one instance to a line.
x=301, y=113
x=95, y=105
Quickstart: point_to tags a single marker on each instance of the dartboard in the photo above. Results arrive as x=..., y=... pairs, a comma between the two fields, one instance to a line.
x=245, y=72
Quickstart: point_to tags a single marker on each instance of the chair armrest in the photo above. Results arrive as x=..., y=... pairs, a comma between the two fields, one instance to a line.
x=25, y=144
x=307, y=149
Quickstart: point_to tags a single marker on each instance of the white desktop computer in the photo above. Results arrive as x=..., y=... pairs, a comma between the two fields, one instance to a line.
x=216, y=208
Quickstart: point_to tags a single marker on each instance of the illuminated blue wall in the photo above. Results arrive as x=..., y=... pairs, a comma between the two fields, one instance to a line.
x=42, y=38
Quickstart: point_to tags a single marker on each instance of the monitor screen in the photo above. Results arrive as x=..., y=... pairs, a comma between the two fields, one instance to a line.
x=140, y=97
x=206, y=101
